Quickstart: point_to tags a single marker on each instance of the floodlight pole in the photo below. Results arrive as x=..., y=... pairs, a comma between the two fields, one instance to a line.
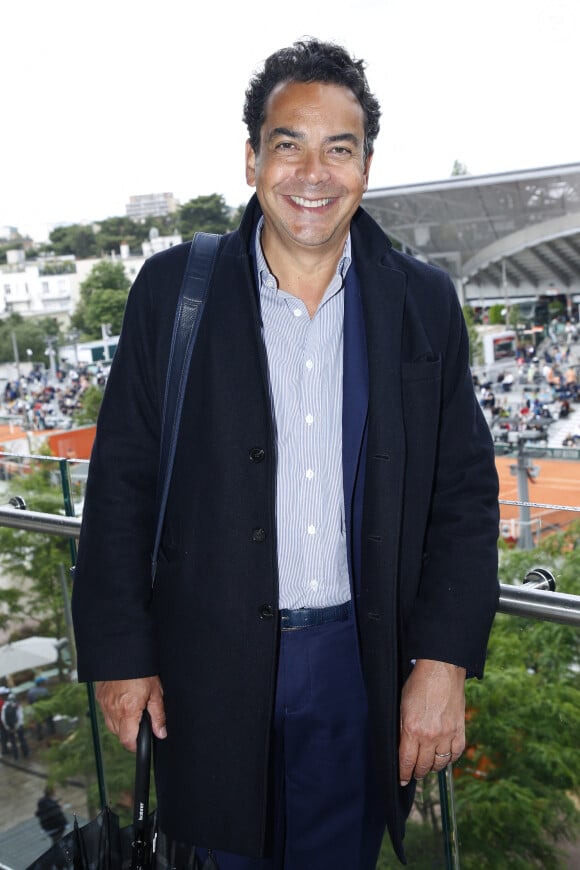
x=522, y=470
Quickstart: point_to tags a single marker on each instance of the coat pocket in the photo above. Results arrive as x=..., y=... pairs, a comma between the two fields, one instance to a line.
x=423, y=370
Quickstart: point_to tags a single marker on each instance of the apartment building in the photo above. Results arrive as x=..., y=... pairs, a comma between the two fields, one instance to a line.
x=151, y=205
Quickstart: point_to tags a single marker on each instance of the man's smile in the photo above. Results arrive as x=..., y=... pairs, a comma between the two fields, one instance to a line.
x=310, y=203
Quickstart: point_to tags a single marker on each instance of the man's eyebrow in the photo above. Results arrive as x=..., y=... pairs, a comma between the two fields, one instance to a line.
x=284, y=131
x=344, y=137
x=296, y=134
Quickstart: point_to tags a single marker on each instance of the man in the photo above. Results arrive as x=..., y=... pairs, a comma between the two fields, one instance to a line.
x=50, y=815
x=4, y=692
x=327, y=574
x=12, y=719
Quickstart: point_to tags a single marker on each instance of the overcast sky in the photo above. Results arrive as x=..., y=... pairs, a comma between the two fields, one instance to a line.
x=103, y=100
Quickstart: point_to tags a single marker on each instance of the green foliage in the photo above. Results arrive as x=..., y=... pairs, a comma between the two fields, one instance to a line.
x=475, y=345
x=103, y=298
x=76, y=239
x=424, y=849
x=105, y=275
x=208, y=213
x=57, y=267
x=204, y=213
x=522, y=731
x=495, y=314
x=73, y=758
x=514, y=316
x=459, y=168
x=34, y=561
x=90, y=405
x=556, y=308
x=517, y=785
x=29, y=334
x=116, y=231
x=104, y=307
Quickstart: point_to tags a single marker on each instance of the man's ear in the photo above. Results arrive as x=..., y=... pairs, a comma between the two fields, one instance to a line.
x=367, y=170
x=250, y=165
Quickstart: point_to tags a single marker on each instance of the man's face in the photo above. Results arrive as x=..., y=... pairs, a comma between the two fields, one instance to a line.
x=310, y=172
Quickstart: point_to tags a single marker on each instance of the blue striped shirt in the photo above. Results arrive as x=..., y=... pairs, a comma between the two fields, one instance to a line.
x=305, y=361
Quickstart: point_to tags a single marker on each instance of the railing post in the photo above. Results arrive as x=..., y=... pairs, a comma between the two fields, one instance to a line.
x=92, y=702
x=449, y=818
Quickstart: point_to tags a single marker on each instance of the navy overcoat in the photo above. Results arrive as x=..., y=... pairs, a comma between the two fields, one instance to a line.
x=421, y=503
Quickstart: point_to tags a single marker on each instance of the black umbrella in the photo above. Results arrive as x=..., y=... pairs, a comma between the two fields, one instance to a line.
x=102, y=844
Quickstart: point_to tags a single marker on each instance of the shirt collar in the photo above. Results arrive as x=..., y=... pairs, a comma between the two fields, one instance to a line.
x=266, y=276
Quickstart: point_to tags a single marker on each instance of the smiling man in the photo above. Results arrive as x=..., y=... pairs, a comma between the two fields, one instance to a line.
x=328, y=571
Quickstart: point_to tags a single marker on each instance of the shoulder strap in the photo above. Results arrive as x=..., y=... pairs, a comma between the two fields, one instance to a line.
x=190, y=306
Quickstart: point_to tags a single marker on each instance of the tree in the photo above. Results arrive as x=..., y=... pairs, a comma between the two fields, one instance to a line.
x=475, y=345
x=103, y=297
x=516, y=785
x=459, y=168
x=90, y=404
x=105, y=307
x=76, y=239
x=35, y=559
x=209, y=214
x=515, y=793
x=75, y=756
x=496, y=314
x=30, y=334
x=115, y=231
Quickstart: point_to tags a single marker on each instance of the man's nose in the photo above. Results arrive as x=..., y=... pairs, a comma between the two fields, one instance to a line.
x=313, y=168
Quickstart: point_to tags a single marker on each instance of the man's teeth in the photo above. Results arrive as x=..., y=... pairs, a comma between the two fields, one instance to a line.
x=309, y=203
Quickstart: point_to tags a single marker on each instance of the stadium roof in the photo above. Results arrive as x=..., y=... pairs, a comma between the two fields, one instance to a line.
x=520, y=229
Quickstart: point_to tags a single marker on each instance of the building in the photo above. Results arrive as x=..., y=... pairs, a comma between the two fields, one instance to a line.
x=504, y=238
x=45, y=287
x=151, y=205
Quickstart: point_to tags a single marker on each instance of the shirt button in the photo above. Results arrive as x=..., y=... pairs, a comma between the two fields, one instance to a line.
x=309, y=364
x=297, y=312
x=309, y=419
x=309, y=474
x=266, y=611
x=311, y=530
x=258, y=535
x=257, y=454
x=314, y=585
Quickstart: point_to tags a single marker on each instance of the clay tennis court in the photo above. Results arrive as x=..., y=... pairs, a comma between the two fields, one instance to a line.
x=557, y=483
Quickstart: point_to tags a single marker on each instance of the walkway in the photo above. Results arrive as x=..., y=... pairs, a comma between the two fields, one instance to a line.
x=21, y=837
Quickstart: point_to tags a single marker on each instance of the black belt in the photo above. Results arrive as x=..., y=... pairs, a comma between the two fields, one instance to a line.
x=306, y=617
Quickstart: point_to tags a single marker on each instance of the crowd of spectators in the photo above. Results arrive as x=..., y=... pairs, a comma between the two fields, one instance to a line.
x=522, y=401
x=37, y=401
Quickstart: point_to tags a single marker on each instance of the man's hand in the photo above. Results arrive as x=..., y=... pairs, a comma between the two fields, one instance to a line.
x=123, y=702
x=432, y=718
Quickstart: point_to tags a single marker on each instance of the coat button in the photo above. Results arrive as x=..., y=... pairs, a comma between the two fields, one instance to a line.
x=257, y=454
x=266, y=611
x=258, y=535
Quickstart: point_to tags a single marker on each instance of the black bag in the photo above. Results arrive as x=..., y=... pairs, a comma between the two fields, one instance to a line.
x=102, y=844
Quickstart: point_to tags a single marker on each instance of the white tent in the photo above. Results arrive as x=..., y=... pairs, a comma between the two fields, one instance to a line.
x=31, y=652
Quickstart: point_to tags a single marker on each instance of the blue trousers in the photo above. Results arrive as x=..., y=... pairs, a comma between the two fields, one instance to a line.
x=327, y=811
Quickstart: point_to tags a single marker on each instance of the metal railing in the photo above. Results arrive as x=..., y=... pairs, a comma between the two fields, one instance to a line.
x=535, y=598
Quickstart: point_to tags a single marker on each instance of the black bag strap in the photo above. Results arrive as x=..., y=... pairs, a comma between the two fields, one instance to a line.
x=192, y=296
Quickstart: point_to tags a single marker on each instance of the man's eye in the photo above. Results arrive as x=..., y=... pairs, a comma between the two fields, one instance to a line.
x=285, y=146
x=341, y=150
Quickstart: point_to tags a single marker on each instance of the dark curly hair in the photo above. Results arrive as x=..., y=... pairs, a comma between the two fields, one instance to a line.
x=308, y=61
